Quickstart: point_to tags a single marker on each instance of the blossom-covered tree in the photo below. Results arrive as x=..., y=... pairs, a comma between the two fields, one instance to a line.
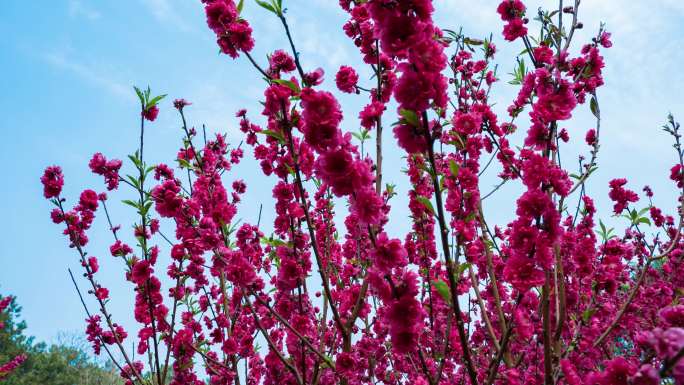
x=6, y=368
x=550, y=298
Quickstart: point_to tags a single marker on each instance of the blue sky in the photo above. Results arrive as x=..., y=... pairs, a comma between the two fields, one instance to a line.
x=68, y=69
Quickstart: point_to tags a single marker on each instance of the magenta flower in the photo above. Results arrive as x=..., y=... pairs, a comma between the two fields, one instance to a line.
x=346, y=79
x=150, y=113
x=52, y=181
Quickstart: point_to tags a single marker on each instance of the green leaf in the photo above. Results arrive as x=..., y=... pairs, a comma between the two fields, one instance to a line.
x=131, y=203
x=461, y=267
x=273, y=242
x=134, y=181
x=644, y=220
x=454, y=167
x=240, y=5
x=470, y=217
x=471, y=41
x=591, y=170
x=288, y=83
x=154, y=101
x=633, y=215
x=184, y=163
x=140, y=95
x=443, y=290
x=134, y=158
x=390, y=188
x=146, y=208
x=274, y=134
x=489, y=243
x=426, y=202
x=593, y=106
x=587, y=314
x=410, y=117
x=266, y=6
x=278, y=6
x=362, y=135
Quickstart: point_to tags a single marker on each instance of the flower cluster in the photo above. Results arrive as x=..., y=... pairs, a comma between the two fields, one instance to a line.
x=513, y=12
x=109, y=169
x=233, y=33
x=52, y=181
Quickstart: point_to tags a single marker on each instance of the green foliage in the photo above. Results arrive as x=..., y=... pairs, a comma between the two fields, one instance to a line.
x=426, y=202
x=146, y=100
x=409, y=117
x=519, y=73
x=59, y=364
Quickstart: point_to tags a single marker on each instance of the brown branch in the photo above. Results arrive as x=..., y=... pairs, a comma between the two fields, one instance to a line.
x=635, y=289
x=275, y=349
x=444, y=233
x=103, y=309
x=305, y=340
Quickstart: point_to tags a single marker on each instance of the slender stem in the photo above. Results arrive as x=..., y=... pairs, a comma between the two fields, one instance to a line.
x=378, y=124
x=673, y=245
x=295, y=331
x=103, y=309
x=278, y=353
x=85, y=307
x=143, y=246
x=424, y=367
x=488, y=323
x=546, y=332
x=173, y=324
x=292, y=46
x=560, y=295
x=257, y=66
x=494, y=364
x=312, y=234
x=490, y=270
x=634, y=290
x=573, y=27
x=444, y=233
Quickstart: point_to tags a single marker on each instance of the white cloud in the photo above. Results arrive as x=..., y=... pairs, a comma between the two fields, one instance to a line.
x=165, y=11
x=77, y=9
x=89, y=73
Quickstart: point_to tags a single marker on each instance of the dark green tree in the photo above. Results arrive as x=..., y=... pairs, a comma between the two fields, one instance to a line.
x=57, y=364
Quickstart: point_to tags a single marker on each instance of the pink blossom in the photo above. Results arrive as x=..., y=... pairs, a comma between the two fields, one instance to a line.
x=52, y=181
x=514, y=29
x=410, y=138
x=367, y=206
x=321, y=118
x=370, y=114
x=346, y=79
x=180, y=104
x=620, y=195
x=388, y=253
x=281, y=61
x=511, y=9
x=150, y=113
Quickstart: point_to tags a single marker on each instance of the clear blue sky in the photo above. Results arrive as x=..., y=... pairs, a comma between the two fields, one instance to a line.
x=68, y=68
